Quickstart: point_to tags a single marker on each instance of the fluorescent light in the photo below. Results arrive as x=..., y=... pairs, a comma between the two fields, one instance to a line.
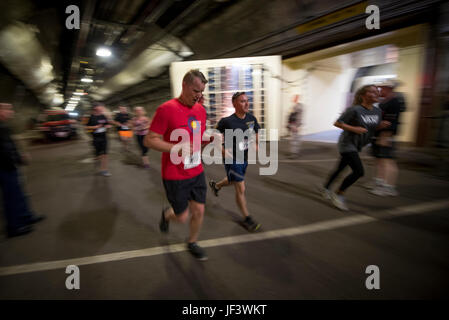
x=75, y=98
x=87, y=80
x=103, y=52
x=78, y=93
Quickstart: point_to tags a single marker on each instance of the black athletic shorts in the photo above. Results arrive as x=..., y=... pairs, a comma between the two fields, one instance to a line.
x=100, y=145
x=382, y=152
x=180, y=192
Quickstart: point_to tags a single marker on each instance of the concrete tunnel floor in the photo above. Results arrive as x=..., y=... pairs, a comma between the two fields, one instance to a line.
x=305, y=249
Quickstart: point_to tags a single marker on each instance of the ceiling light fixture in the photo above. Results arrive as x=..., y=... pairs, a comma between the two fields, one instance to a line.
x=103, y=52
x=86, y=80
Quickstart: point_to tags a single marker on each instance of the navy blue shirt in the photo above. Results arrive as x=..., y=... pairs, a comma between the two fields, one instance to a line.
x=240, y=142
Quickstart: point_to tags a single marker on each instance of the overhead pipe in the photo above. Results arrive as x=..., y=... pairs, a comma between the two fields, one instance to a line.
x=22, y=54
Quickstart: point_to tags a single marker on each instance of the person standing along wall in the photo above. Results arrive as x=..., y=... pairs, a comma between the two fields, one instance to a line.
x=18, y=214
x=294, y=126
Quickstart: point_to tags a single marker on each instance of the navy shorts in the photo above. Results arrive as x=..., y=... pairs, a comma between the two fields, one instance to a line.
x=180, y=192
x=236, y=172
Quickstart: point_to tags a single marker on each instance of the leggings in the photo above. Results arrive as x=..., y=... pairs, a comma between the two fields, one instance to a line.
x=141, y=145
x=353, y=160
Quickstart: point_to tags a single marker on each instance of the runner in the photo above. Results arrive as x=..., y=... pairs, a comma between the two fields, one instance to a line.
x=235, y=171
x=140, y=124
x=99, y=124
x=184, y=183
x=359, y=124
x=122, y=121
x=384, y=145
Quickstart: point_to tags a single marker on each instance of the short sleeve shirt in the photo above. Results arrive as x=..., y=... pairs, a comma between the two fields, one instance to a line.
x=122, y=118
x=95, y=120
x=391, y=110
x=173, y=115
x=358, y=116
x=233, y=123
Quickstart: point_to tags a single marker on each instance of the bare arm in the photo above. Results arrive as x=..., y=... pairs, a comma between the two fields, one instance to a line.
x=347, y=127
x=155, y=141
x=383, y=124
x=93, y=127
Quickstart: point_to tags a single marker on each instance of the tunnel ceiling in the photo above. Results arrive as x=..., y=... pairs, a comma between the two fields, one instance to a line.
x=146, y=35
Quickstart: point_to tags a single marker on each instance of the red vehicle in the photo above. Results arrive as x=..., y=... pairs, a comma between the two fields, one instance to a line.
x=56, y=124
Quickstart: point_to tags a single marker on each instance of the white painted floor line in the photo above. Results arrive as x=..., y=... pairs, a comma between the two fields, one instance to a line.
x=314, y=227
x=315, y=160
x=303, y=160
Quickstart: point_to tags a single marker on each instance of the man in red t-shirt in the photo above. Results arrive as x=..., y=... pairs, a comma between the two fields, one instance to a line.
x=176, y=130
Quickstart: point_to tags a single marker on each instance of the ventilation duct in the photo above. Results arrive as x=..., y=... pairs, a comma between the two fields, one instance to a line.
x=22, y=54
x=151, y=62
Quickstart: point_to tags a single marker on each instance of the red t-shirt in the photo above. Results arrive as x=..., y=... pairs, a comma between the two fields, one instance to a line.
x=173, y=115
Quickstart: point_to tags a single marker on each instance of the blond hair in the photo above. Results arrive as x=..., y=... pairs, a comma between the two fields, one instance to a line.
x=140, y=108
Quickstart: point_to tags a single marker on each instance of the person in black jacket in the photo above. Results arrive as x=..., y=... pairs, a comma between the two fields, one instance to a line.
x=384, y=144
x=19, y=216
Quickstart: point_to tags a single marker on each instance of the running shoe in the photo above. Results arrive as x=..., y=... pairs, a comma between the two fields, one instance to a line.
x=374, y=183
x=163, y=224
x=197, y=251
x=379, y=191
x=250, y=224
x=339, y=202
x=390, y=191
x=212, y=185
x=325, y=193
x=105, y=173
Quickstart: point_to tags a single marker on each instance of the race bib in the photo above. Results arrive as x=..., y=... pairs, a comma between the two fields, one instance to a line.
x=243, y=145
x=192, y=161
x=100, y=130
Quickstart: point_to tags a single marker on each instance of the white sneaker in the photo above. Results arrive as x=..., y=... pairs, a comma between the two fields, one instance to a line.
x=339, y=202
x=374, y=183
x=325, y=193
x=391, y=191
x=379, y=191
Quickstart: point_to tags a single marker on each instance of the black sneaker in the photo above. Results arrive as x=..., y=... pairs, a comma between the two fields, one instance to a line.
x=250, y=224
x=20, y=231
x=197, y=251
x=163, y=224
x=36, y=219
x=212, y=185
